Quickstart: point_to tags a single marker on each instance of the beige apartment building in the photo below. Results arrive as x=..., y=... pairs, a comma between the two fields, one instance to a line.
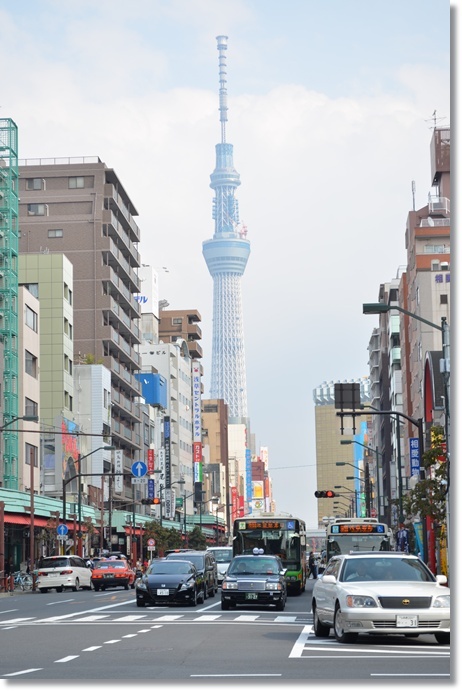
x=80, y=208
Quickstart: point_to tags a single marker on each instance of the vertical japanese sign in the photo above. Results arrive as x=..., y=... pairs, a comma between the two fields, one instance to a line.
x=118, y=468
x=150, y=461
x=197, y=421
x=414, y=454
x=168, y=469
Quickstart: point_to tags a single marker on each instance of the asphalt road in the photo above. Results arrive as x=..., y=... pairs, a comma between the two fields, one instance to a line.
x=103, y=636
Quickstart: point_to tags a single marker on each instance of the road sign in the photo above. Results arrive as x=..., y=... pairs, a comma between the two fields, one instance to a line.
x=151, y=492
x=139, y=480
x=139, y=469
x=62, y=529
x=151, y=542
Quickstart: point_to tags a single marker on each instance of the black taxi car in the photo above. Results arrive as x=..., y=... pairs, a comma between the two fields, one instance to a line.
x=169, y=582
x=254, y=579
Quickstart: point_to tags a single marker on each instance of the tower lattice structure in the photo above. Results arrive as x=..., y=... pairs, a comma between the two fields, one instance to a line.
x=226, y=255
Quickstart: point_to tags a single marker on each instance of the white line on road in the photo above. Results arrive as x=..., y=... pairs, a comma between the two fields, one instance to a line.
x=93, y=617
x=91, y=649
x=169, y=617
x=247, y=617
x=130, y=635
x=68, y=658
x=131, y=617
x=208, y=617
x=24, y=671
x=115, y=640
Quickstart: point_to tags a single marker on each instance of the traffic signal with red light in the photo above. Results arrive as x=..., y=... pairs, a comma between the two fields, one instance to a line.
x=156, y=500
x=324, y=494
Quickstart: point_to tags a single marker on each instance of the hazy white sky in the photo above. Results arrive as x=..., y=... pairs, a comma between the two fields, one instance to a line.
x=330, y=114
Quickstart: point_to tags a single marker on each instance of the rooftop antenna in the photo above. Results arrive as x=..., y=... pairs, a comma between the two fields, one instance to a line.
x=435, y=120
x=413, y=194
x=222, y=47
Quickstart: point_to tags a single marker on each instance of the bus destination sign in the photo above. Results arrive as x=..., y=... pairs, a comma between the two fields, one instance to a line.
x=261, y=525
x=363, y=528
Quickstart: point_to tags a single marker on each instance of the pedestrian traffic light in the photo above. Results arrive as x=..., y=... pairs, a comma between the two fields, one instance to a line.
x=156, y=500
x=324, y=494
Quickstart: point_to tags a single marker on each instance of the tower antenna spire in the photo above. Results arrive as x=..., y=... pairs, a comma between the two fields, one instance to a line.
x=222, y=46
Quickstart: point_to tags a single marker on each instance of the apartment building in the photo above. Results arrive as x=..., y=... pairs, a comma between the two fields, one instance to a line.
x=80, y=208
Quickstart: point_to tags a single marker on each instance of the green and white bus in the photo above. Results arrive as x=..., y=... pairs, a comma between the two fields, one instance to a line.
x=282, y=535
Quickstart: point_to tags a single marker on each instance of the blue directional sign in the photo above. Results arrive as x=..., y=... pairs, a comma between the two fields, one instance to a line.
x=150, y=489
x=62, y=529
x=139, y=469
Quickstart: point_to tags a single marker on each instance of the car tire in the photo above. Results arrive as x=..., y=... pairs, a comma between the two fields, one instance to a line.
x=43, y=590
x=280, y=606
x=225, y=605
x=60, y=589
x=76, y=585
x=320, y=630
x=193, y=602
x=96, y=587
x=140, y=603
x=443, y=638
x=339, y=632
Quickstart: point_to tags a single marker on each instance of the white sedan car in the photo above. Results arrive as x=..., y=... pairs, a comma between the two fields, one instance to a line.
x=380, y=593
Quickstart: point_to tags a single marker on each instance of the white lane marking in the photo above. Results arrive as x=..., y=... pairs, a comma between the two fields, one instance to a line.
x=59, y=602
x=115, y=640
x=221, y=676
x=131, y=617
x=148, y=630
x=24, y=671
x=93, y=617
x=410, y=675
x=15, y=621
x=130, y=635
x=68, y=658
x=91, y=649
x=300, y=643
x=286, y=619
x=6, y=611
x=169, y=617
x=247, y=617
x=208, y=617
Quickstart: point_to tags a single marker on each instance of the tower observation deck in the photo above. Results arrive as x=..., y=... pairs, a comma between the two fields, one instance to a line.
x=226, y=255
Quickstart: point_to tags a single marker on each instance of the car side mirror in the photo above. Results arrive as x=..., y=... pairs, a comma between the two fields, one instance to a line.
x=328, y=579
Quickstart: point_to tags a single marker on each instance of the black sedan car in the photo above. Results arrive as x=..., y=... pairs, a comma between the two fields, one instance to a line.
x=169, y=582
x=254, y=579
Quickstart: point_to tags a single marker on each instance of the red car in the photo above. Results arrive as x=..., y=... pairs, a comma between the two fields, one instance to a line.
x=111, y=573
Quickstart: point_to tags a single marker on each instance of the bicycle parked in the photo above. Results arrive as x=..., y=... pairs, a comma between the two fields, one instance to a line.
x=22, y=581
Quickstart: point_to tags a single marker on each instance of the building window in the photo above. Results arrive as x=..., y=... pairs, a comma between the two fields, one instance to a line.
x=35, y=184
x=55, y=233
x=31, y=455
x=443, y=299
x=30, y=407
x=177, y=320
x=32, y=288
x=31, y=319
x=37, y=209
x=78, y=182
x=30, y=364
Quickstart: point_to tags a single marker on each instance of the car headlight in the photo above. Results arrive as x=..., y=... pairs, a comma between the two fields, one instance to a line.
x=442, y=601
x=188, y=585
x=229, y=585
x=273, y=586
x=141, y=585
x=360, y=601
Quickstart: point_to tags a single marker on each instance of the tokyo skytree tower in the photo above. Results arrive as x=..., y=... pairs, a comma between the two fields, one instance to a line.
x=226, y=255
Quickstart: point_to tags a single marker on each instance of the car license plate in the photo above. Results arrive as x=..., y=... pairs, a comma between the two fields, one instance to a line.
x=162, y=591
x=251, y=596
x=406, y=622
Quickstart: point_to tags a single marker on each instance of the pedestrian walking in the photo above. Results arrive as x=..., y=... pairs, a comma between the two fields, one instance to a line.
x=313, y=566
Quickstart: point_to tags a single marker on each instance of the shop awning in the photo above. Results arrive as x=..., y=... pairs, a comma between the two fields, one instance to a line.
x=24, y=519
x=128, y=530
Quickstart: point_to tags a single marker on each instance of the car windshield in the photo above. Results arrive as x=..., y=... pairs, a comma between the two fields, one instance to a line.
x=111, y=564
x=196, y=559
x=168, y=567
x=253, y=566
x=385, y=569
x=223, y=556
x=54, y=563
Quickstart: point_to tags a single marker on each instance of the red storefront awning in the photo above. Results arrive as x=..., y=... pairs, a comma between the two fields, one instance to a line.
x=39, y=521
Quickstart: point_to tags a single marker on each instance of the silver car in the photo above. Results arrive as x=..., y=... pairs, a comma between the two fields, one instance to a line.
x=380, y=593
x=223, y=557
